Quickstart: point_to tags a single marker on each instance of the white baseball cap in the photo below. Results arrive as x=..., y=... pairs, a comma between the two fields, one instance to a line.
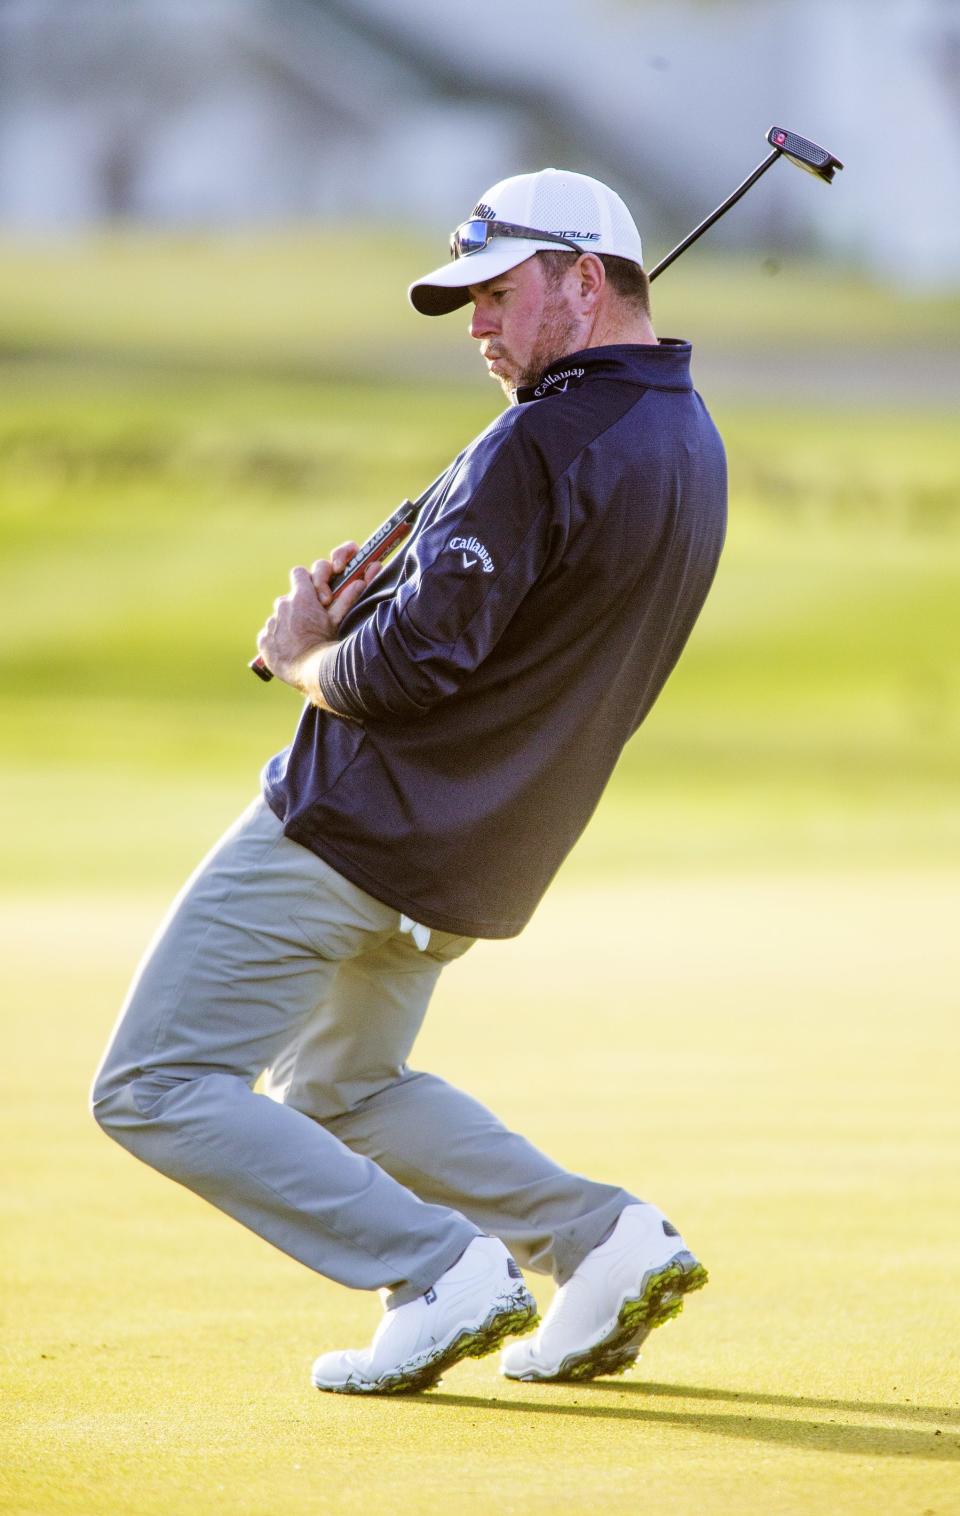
x=554, y=207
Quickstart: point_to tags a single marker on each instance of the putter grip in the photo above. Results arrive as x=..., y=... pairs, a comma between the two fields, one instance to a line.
x=383, y=541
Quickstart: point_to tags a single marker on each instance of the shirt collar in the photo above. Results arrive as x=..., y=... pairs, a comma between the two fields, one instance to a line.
x=665, y=365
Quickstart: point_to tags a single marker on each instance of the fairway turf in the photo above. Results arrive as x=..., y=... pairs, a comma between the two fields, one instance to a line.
x=145, y=528
x=739, y=999
x=770, y=1060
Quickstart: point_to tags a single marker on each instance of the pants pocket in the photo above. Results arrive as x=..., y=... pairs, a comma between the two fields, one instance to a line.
x=338, y=919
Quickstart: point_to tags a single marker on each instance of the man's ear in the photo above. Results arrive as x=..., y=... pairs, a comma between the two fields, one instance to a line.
x=592, y=276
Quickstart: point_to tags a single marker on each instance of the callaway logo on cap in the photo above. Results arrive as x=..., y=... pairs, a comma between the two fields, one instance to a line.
x=517, y=218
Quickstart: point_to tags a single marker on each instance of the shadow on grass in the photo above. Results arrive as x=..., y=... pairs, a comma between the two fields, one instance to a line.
x=831, y=1436
x=940, y=1415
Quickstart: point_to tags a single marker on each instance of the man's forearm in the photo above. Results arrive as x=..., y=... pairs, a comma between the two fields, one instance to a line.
x=305, y=675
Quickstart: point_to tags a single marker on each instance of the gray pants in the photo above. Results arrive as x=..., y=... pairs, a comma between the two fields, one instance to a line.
x=271, y=964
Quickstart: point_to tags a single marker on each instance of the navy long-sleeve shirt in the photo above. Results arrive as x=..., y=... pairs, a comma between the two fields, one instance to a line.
x=491, y=676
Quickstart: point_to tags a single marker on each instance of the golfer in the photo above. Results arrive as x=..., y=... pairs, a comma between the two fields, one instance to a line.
x=465, y=706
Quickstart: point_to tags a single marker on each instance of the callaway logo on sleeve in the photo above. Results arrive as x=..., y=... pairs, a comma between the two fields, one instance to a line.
x=472, y=552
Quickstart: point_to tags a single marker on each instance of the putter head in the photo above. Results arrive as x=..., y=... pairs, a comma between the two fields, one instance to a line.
x=816, y=160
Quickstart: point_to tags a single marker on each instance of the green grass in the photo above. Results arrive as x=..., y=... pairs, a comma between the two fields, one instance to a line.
x=147, y=524
x=739, y=998
x=305, y=299
x=771, y=1059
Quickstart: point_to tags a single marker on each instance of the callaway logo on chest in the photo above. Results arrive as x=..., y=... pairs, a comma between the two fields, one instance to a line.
x=472, y=552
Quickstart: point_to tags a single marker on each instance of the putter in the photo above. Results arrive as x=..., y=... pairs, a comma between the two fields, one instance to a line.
x=806, y=155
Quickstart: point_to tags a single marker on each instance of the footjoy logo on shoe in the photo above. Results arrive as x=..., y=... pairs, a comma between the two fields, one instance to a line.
x=472, y=552
x=430, y=1295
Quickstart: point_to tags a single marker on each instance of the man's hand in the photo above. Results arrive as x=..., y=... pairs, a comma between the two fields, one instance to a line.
x=307, y=621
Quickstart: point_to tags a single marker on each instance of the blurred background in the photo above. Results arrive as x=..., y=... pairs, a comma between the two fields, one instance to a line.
x=209, y=213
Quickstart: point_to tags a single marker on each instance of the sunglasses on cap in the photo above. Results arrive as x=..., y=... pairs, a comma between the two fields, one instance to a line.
x=471, y=236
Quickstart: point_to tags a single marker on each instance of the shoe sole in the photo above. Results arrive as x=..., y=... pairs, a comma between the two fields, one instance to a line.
x=513, y=1317
x=660, y=1299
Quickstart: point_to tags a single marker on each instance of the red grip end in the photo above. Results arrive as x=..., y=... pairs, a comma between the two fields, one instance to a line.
x=260, y=669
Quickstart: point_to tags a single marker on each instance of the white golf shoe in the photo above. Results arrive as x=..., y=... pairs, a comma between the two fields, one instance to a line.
x=629, y=1284
x=468, y=1313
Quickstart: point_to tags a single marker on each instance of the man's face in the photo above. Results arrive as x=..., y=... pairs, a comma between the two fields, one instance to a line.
x=523, y=323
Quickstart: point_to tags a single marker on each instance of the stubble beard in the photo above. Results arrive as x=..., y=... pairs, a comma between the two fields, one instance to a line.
x=556, y=338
